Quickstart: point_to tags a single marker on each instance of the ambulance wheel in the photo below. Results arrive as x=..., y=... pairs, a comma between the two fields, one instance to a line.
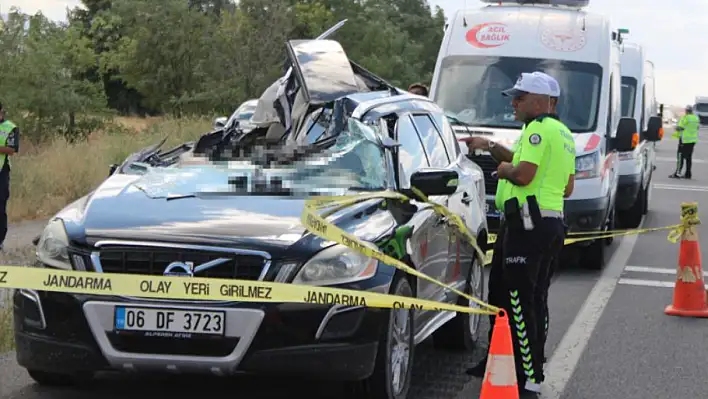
x=592, y=257
x=610, y=225
x=462, y=332
x=632, y=217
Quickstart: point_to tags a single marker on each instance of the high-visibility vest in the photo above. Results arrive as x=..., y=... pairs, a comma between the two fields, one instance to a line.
x=690, y=125
x=5, y=129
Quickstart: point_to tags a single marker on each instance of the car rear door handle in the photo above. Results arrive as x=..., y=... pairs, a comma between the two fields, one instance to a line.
x=466, y=199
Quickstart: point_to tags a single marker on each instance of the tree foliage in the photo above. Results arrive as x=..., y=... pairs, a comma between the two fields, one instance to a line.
x=192, y=56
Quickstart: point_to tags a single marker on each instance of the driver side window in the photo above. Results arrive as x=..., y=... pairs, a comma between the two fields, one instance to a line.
x=411, y=155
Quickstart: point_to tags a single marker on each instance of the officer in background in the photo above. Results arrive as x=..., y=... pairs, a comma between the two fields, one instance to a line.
x=9, y=145
x=530, y=196
x=419, y=89
x=687, y=133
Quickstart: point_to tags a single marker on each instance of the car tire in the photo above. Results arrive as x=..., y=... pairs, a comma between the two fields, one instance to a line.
x=382, y=383
x=46, y=378
x=462, y=332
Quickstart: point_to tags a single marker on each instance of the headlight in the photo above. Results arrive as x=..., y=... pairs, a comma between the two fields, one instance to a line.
x=587, y=166
x=336, y=265
x=52, y=248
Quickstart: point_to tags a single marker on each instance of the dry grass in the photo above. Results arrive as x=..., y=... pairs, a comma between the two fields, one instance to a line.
x=45, y=179
x=7, y=341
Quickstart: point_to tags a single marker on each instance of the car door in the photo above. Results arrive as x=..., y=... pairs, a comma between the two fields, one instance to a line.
x=426, y=244
x=467, y=202
x=441, y=234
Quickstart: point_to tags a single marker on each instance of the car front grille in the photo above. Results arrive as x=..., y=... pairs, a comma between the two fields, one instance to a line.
x=151, y=260
x=488, y=165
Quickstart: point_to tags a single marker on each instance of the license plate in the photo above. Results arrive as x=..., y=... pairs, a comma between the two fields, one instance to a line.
x=169, y=322
x=491, y=210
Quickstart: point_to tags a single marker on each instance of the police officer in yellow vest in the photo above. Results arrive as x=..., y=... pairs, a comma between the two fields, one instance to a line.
x=534, y=177
x=9, y=145
x=687, y=133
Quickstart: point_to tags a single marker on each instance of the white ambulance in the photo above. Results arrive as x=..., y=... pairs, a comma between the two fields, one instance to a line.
x=485, y=50
x=700, y=108
x=637, y=166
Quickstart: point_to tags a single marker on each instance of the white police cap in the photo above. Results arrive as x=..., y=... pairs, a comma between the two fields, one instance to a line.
x=536, y=83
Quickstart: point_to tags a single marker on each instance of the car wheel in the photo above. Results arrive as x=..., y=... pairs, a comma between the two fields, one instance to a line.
x=391, y=378
x=53, y=379
x=462, y=332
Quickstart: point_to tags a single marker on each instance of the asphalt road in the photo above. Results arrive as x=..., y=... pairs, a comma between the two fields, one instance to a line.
x=609, y=336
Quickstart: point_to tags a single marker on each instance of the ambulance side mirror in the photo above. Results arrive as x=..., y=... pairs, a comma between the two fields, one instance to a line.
x=655, y=129
x=627, y=136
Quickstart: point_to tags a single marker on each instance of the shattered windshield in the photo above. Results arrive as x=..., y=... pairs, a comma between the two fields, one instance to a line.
x=470, y=87
x=355, y=161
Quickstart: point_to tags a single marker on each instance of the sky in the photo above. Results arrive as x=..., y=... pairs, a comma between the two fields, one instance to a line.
x=673, y=36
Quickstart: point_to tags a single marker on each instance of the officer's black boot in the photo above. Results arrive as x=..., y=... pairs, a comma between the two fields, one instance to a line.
x=478, y=369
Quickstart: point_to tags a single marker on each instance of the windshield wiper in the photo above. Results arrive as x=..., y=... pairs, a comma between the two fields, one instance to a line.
x=457, y=121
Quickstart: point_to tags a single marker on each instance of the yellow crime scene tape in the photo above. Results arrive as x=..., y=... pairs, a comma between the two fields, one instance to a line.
x=689, y=217
x=210, y=289
x=319, y=226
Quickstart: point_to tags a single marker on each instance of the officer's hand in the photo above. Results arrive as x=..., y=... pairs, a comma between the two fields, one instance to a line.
x=504, y=169
x=474, y=143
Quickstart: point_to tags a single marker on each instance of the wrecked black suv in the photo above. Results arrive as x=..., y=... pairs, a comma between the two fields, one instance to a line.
x=205, y=209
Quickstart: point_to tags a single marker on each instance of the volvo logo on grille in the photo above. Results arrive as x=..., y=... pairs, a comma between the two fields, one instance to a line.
x=187, y=269
x=180, y=269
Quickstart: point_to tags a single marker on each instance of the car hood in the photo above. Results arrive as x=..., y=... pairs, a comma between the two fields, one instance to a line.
x=161, y=205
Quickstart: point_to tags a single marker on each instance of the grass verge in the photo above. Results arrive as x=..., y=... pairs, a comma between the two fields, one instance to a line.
x=47, y=178
x=7, y=340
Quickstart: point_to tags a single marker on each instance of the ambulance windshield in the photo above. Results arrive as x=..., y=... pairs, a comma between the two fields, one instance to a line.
x=470, y=87
x=629, y=90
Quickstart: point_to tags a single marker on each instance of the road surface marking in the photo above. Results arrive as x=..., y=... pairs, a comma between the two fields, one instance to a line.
x=648, y=283
x=643, y=269
x=567, y=355
x=673, y=160
x=660, y=186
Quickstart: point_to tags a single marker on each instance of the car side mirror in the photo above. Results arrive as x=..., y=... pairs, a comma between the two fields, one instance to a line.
x=434, y=182
x=112, y=169
x=220, y=122
x=627, y=137
x=655, y=129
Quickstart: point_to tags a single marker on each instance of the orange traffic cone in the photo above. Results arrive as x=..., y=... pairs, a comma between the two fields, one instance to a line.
x=500, y=375
x=690, y=297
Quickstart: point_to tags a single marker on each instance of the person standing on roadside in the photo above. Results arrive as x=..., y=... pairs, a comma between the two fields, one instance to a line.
x=687, y=133
x=533, y=180
x=9, y=145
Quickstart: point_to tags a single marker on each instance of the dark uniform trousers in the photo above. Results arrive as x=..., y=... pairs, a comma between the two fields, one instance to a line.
x=685, y=154
x=4, y=197
x=522, y=266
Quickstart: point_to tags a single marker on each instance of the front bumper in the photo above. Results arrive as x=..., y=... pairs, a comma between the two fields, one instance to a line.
x=586, y=214
x=627, y=190
x=67, y=333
